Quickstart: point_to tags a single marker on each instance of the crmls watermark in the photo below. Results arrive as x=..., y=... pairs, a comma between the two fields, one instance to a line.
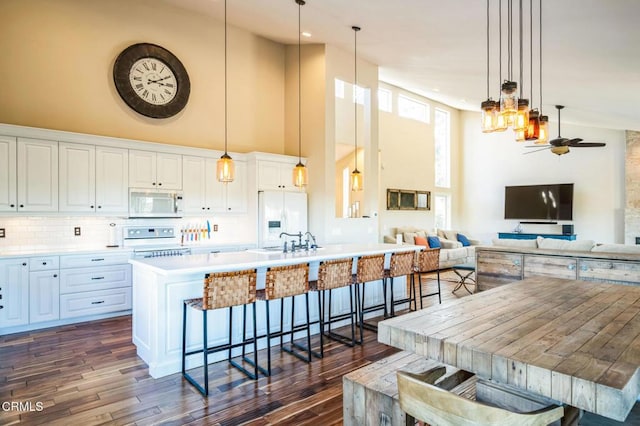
x=21, y=406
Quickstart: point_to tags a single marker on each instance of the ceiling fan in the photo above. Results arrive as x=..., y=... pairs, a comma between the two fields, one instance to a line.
x=560, y=145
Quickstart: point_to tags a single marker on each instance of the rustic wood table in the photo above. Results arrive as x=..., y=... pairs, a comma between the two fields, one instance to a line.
x=576, y=342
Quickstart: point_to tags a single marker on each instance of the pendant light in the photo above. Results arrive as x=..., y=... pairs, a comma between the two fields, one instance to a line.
x=300, y=178
x=509, y=95
x=489, y=107
x=521, y=121
x=225, y=169
x=543, y=134
x=356, y=176
x=533, y=128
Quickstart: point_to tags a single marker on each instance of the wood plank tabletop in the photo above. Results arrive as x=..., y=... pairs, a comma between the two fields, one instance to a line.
x=576, y=342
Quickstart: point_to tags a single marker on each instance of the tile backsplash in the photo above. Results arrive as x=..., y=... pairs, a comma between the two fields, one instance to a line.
x=26, y=233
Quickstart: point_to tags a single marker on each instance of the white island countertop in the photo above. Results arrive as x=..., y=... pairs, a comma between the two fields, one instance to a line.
x=250, y=259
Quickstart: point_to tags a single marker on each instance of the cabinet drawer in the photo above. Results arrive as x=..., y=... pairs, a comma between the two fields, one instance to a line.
x=95, y=302
x=609, y=271
x=89, y=279
x=550, y=266
x=86, y=260
x=45, y=263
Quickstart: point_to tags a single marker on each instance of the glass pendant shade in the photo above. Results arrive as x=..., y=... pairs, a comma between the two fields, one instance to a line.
x=533, y=129
x=489, y=115
x=225, y=169
x=356, y=180
x=522, y=116
x=543, y=135
x=509, y=98
x=300, y=175
x=521, y=135
x=501, y=122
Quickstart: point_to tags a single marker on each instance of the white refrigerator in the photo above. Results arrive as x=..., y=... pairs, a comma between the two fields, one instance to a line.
x=280, y=211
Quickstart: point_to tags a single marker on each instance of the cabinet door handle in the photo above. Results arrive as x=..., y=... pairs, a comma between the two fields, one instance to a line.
x=153, y=183
x=90, y=207
x=97, y=278
x=97, y=302
x=99, y=207
x=516, y=262
x=24, y=263
x=21, y=205
x=100, y=259
x=44, y=263
x=55, y=275
x=1, y=307
x=583, y=268
x=12, y=205
x=160, y=184
x=571, y=266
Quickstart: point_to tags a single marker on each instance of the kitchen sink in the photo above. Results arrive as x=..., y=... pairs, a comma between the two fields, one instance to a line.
x=278, y=250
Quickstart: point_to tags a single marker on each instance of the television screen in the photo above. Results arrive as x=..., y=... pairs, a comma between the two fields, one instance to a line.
x=539, y=202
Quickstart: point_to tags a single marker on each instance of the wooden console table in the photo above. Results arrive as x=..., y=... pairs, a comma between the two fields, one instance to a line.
x=522, y=236
x=576, y=342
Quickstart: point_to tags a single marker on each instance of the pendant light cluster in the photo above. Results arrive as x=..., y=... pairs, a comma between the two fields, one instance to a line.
x=356, y=176
x=225, y=169
x=513, y=109
x=300, y=178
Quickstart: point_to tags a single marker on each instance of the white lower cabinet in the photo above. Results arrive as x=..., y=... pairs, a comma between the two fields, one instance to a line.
x=95, y=302
x=14, y=292
x=44, y=292
x=94, y=284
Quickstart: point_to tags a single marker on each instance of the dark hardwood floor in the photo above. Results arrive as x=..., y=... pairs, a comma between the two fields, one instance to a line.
x=89, y=373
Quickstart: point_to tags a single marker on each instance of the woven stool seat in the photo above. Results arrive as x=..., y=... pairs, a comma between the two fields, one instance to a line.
x=222, y=290
x=402, y=264
x=428, y=260
x=287, y=282
x=333, y=275
x=370, y=268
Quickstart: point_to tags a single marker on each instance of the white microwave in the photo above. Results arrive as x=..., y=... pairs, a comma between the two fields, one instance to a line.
x=154, y=203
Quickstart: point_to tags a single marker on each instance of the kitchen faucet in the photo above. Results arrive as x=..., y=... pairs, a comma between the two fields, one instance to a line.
x=313, y=238
x=293, y=242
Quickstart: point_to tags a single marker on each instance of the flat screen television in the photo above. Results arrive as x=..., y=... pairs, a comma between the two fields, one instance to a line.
x=539, y=202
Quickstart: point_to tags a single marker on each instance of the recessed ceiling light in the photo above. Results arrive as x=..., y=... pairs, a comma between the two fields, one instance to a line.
x=306, y=34
x=464, y=101
x=435, y=89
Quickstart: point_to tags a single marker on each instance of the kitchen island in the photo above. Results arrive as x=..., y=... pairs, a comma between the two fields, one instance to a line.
x=161, y=284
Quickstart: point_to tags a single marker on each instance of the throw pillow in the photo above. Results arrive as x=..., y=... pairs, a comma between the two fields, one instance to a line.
x=512, y=242
x=421, y=241
x=451, y=235
x=434, y=242
x=409, y=237
x=464, y=240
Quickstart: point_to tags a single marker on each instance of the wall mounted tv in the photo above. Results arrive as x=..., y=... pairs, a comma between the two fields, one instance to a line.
x=539, y=202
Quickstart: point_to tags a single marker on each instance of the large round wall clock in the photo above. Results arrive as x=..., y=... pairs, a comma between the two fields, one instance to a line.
x=151, y=80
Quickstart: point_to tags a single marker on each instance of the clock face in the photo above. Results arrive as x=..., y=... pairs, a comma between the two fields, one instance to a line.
x=151, y=80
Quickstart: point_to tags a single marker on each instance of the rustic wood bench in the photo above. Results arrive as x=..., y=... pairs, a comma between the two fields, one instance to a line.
x=370, y=394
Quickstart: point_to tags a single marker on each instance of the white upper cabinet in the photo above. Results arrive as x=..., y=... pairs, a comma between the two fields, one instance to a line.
x=8, y=186
x=155, y=170
x=37, y=175
x=112, y=180
x=275, y=175
x=93, y=179
x=77, y=178
x=202, y=193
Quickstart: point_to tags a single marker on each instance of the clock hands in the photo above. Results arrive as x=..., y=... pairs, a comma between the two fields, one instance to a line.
x=149, y=81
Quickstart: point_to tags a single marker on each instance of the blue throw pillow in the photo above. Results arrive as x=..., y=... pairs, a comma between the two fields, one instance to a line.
x=434, y=242
x=464, y=240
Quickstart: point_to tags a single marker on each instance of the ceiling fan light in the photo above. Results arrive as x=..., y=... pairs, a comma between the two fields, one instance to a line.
x=522, y=116
x=509, y=98
x=543, y=135
x=489, y=115
x=560, y=150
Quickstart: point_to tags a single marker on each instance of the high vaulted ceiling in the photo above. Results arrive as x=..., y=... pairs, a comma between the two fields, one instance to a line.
x=437, y=48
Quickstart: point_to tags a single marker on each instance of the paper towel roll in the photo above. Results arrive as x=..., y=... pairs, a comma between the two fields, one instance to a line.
x=398, y=238
x=113, y=235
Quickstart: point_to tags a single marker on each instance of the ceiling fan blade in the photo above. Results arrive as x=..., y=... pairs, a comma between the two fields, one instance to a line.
x=589, y=145
x=538, y=150
x=542, y=145
x=574, y=142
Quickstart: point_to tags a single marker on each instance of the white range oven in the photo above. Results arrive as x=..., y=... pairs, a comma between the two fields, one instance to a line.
x=153, y=241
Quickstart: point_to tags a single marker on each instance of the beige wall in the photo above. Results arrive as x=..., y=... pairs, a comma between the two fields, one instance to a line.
x=57, y=60
x=407, y=158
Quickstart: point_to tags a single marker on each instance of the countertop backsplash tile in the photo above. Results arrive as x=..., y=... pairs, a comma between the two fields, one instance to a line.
x=41, y=233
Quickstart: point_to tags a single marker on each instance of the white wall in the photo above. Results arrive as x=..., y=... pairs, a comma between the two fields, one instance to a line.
x=492, y=161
